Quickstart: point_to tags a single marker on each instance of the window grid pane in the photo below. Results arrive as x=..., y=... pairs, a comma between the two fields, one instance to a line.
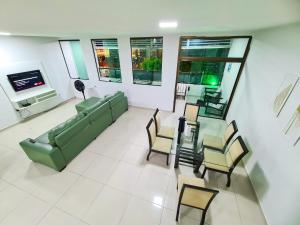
x=146, y=60
x=74, y=59
x=107, y=59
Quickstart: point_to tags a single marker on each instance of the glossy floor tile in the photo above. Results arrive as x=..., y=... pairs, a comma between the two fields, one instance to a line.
x=79, y=196
x=100, y=211
x=111, y=182
x=58, y=217
x=142, y=212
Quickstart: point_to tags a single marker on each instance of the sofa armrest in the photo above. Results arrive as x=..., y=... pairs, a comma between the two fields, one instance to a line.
x=126, y=103
x=44, y=153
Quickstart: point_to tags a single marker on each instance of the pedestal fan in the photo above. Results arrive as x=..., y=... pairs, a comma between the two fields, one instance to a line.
x=79, y=85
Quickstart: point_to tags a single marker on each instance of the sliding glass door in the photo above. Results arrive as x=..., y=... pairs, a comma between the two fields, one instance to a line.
x=208, y=71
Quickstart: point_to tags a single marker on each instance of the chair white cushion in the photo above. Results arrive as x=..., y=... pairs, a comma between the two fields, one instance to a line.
x=193, y=197
x=215, y=160
x=166, y=131
x=213, y=141
x=162, y=145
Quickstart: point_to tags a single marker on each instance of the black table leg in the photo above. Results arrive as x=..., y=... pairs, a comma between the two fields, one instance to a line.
x=198, y=162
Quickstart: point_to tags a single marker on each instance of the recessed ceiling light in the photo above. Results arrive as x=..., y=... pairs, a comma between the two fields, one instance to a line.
x=5, y=33
x=173, y=24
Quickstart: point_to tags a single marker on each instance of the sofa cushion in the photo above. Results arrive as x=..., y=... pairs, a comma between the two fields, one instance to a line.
x=93, y=107
x=61, y=127
x=116, y=99
x=109, y=97
x=97, y=113
x=87, y=104
x=72, y=133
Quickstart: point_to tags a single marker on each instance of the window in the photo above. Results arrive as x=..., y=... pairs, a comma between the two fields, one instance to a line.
x=106, y=54
x=204, y=48
x=73, y=56
x=213, y=48
x=201, y=73
x=146, y=56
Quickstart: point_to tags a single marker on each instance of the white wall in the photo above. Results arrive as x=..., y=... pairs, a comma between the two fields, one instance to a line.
x=273, y=164
x=47, y=51
x=31, y=49
x=138, y=95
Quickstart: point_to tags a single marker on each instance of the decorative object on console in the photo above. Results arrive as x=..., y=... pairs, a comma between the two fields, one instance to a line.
x=79, y=85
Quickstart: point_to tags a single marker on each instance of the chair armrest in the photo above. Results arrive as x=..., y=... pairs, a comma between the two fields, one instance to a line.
x=45, y=154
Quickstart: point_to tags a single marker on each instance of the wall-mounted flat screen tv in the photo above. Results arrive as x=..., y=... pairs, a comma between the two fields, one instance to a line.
x=26, y=80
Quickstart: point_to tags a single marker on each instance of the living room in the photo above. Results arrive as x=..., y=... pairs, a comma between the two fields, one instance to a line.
x=110, y=149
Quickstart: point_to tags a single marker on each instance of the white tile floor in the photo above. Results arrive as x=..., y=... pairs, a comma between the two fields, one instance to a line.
x=110, y=182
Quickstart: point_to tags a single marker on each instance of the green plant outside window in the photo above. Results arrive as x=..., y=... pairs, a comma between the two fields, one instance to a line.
x=146, y=60
x=201, y=73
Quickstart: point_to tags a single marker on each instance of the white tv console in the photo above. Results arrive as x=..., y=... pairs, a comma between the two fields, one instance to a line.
x=35, y=102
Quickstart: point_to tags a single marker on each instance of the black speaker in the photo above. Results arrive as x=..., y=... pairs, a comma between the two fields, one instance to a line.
x=79, y=85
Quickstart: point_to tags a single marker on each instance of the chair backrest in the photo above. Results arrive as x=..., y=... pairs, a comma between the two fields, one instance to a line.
x=151, y=132
x=236, y=152
x=230, y=131
x=181, y=87
x=157, y=120
x=195, y=196
x=191, y=112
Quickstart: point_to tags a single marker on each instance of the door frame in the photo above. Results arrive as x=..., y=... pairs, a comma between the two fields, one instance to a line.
x=241, y=60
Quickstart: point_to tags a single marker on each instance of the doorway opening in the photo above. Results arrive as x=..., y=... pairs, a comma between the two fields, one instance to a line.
x=208, y=71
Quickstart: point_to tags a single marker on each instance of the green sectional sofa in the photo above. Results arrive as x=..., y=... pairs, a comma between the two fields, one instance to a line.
x=57, y=147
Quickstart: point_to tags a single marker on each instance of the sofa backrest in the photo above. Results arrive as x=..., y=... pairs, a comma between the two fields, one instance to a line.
x=63, y=126
x=118, y=104
x=66, y=136
x=109, y=97
x=116, y=98
x=99, y=112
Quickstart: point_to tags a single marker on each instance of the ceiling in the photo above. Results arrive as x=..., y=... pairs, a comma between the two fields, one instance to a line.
x=64, y=18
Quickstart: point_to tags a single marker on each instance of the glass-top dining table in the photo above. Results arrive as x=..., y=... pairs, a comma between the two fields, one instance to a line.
x=187, y=151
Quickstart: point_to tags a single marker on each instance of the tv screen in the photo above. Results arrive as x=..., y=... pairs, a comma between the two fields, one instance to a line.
x=26, y=80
